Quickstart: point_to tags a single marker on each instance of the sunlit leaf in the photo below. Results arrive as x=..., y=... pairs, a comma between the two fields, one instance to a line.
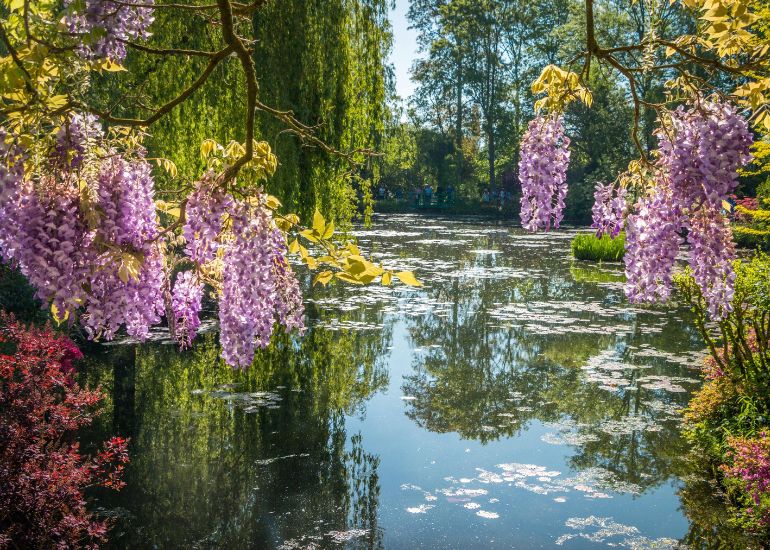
x=324, y=277
x=408, y=278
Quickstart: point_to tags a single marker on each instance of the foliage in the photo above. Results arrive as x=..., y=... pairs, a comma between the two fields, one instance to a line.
x=44, y=473
x=749, y=470
x=79, y=214
x=587, y=246
x=728, y=416
x=751, y=238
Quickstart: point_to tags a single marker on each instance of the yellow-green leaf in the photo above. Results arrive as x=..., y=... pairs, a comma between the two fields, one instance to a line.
x=319, y=223
x=327, y=234
x=57, y=314
x=324, y=277
x=348, y=278
x=310, y=235
x=272, y=202
x=408, y=278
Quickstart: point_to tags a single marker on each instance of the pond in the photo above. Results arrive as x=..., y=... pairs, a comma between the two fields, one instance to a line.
x=516, y=401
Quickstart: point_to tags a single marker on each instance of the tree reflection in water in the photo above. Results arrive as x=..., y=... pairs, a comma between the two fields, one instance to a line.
x=508, y=334
x=208, y=471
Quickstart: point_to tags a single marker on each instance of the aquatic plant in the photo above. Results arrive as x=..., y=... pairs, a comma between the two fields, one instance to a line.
x=44, y=474
x=587, y=246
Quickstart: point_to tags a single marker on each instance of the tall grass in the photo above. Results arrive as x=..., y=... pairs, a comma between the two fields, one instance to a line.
x=587, y=246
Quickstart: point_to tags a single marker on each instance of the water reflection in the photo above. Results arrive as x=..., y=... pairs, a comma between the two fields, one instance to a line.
x=259, y=459
x=516, y=401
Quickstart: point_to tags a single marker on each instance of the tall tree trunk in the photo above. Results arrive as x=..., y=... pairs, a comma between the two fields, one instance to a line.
x=459, y=121
x=491, y=154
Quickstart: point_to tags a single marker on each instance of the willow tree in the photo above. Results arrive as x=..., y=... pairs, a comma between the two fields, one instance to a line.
x=79, y=213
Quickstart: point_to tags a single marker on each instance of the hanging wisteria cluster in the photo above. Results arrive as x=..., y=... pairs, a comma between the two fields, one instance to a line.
x=543, y=173
x=699, y=156
x=102, y=27
x=186, y=302
x=101, y=256
x=652, y=245
x=258, y=285
x=609, y=209
x=90, y=244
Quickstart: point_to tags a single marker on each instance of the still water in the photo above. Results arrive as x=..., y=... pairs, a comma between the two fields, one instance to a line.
x=516, y=401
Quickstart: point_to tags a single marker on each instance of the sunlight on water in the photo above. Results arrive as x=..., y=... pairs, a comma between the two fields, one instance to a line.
x=516, y=401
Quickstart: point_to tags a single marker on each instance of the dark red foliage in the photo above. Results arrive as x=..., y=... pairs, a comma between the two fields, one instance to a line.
x=43, y=475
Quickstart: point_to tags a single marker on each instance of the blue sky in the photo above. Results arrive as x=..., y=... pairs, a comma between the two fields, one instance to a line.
x=404, y=48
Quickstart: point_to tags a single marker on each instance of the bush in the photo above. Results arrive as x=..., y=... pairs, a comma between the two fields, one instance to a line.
x=728, y=417
x=18, y=297
x=752, y=238
x=43, y=475
x=587, y=246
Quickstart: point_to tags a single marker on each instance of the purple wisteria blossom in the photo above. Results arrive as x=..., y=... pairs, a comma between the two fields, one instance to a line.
x=72, y=139
x=712, y=252
x=609, y=209
x=698, y=161
x=247, y=313
x=125, y=198
x=206, y=209
x=186, y=304
x=543, y=173
x=102, y=27
x=652, y=244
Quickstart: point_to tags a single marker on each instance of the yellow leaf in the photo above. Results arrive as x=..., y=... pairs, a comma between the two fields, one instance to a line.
x=324, y=277
x=310, y=235
x=57, y=315
x=348, y=278
x=123, y=273
x=207, y=147
x=272, y=203
x=294, y=246
x=387, y=278
x=319, y=223
x=408, y=278
x=329, y=231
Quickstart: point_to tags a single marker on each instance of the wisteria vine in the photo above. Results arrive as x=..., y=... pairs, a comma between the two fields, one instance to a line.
x=543, y=173
x=91, y=245
x=699, y=156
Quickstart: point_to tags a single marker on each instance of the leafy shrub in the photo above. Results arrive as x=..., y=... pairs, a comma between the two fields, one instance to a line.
x=752, y=238
x=42, y=473
x=749, y=474
x=728, y=417
x=587, y=246
x=18, y=297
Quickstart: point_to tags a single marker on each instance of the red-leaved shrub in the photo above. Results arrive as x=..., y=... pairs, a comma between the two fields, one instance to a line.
x=43, y=475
